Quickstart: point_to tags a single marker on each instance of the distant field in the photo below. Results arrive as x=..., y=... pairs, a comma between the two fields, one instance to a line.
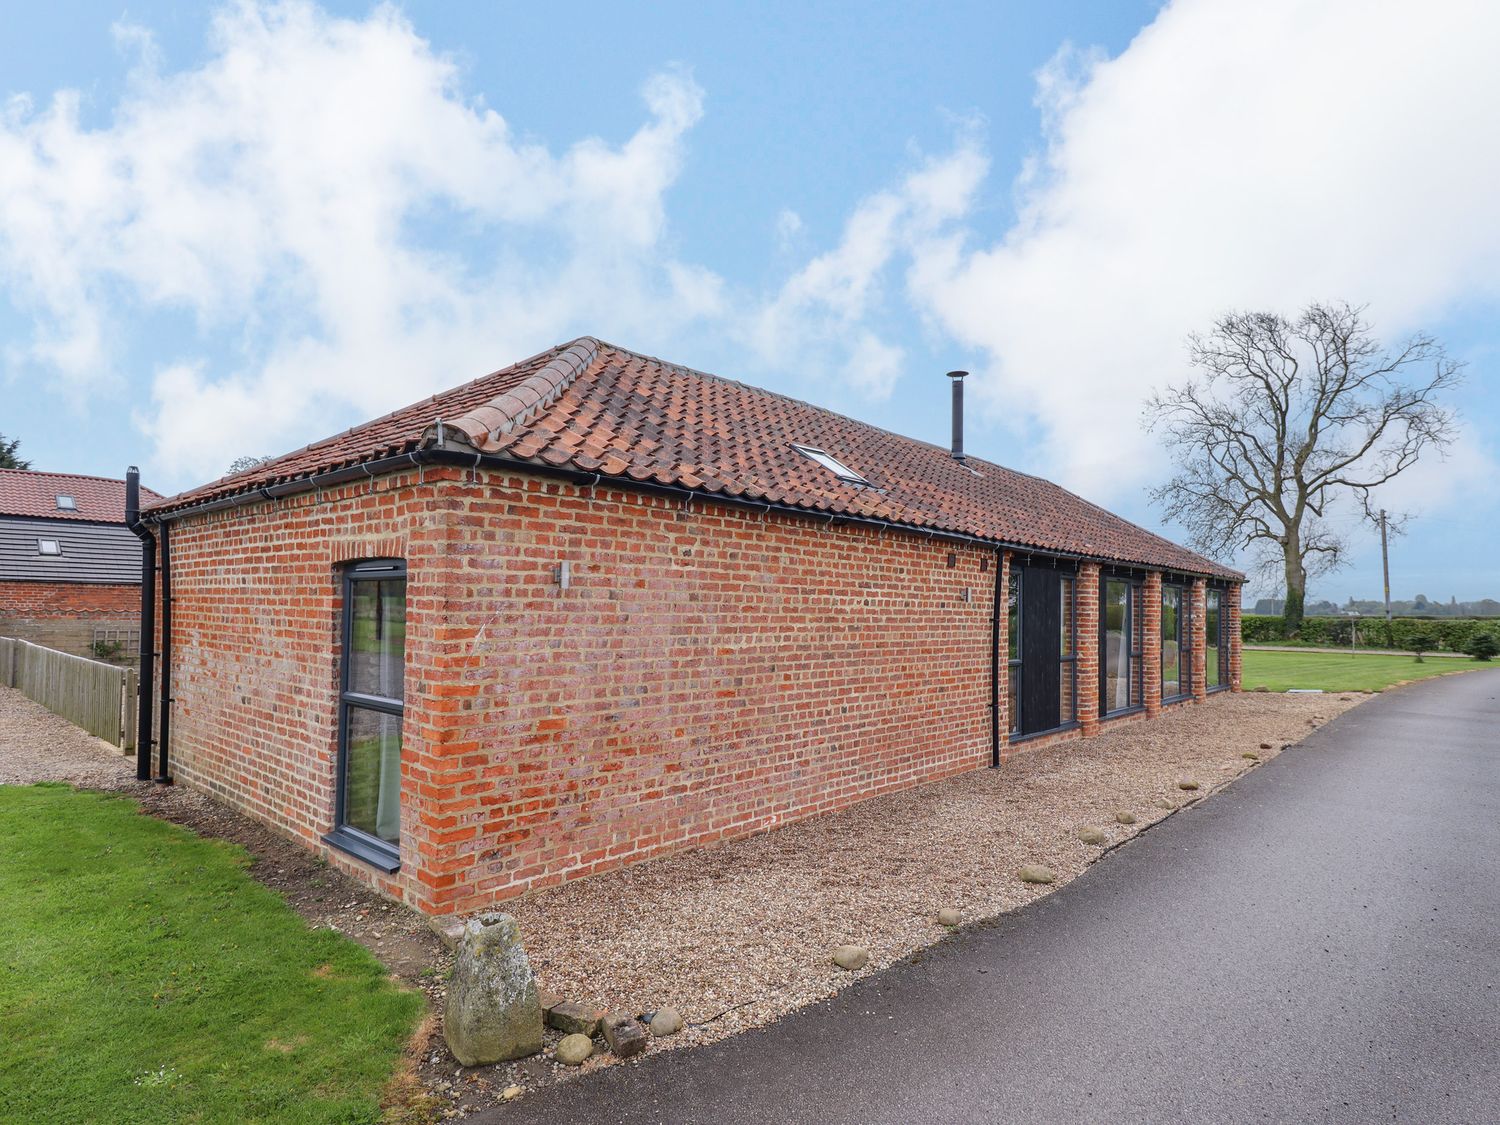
x=1359, y=671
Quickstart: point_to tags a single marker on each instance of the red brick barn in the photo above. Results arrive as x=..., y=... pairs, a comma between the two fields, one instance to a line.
x=70, y=571
x=595, y=607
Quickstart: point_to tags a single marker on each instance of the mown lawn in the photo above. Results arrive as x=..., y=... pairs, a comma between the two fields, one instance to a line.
x=145, y=977
x=1360, y=671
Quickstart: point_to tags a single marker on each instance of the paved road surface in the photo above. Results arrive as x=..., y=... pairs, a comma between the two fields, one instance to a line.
x=1320, y=942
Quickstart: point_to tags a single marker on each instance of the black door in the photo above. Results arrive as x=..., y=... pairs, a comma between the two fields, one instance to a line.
x=1041, y=645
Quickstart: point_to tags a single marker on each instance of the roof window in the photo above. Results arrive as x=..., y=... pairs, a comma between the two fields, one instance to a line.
x=66, y=503
x=832, y=464
x=48, y=547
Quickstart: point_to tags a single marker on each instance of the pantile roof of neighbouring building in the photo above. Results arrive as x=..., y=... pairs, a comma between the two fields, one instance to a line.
x=597, y=408
x=34, y=494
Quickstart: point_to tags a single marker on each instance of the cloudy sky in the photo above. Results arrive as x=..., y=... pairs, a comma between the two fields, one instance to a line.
x=235, y=231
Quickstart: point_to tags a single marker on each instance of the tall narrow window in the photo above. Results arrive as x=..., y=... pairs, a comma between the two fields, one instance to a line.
x=1067, y=677
x=1175, y=640
x=371, y=705
x=1120, y=642
x=1214, y=622
x=1013, y=624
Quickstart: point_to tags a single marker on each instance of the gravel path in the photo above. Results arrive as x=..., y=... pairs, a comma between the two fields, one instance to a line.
x=36, y=745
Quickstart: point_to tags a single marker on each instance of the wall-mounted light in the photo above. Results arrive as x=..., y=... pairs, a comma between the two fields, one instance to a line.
x=562, y=574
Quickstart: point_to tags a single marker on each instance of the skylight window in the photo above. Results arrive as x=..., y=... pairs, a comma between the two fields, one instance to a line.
x=66, y=503
x=832, y=464
x=48, y=547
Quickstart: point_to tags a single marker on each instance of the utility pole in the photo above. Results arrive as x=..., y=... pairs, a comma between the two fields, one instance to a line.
x=1385, y=564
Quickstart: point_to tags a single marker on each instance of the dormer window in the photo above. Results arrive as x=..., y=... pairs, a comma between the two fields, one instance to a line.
x=48, y=547
x=832, y=464
x=66, y=503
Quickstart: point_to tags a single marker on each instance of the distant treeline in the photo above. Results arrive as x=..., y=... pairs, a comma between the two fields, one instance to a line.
x=1446, y=634
x=1419, y=606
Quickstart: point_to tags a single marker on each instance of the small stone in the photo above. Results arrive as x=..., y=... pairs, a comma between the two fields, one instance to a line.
x=492, y=1012
x=1124, y=816
x=625, y=1035
x=1252, y=755
x=1265, y=745
x=1187, y=783
x=1092, y=835
x=511, y=1093
x=1033, y=873
x=851, y=957
x=1165, y=803
x=572, y=1018
x=664, y=1022
x=948, y=916
x=574, y=1049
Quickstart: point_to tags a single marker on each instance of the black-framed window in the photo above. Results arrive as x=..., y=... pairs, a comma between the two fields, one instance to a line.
x=1176, y=642
x=1067, y=673
x=1120, y=634
x=1216, y=640
x=371, y=706
x=1013, y=625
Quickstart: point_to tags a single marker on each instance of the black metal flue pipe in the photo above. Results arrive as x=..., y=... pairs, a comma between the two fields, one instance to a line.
x=958, y=413
x=148, y=623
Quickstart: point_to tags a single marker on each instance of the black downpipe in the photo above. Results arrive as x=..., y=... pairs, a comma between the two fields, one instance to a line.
x=164, y=739
x=995, y=661
x=148, y=623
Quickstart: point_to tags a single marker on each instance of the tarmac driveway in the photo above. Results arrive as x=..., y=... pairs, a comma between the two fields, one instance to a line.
x=1319, y=942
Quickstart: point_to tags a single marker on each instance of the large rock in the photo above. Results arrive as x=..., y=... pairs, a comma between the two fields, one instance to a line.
x=950, y=916
x=1035, y=873
x=1092, y=835
x=664, y=1022
x=572, y=1018
x=851, y=957
x=1188, y=784
x=625, y=1035
x=492, y=1012
x=1124, y=816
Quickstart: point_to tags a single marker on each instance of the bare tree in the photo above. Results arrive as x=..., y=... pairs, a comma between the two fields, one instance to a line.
x=1287, y=420
x=246, y=463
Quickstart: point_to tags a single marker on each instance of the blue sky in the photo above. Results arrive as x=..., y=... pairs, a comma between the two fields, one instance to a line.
x=236, y=230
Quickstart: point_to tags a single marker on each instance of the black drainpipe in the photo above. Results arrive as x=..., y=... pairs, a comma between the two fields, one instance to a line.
x=148, y=623
x=164, y=739
x=995, y=660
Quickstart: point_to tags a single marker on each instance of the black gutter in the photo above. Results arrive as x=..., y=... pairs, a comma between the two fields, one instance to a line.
x=164, y=739
x=995, y=661
x=457, y=459
x=148, y=623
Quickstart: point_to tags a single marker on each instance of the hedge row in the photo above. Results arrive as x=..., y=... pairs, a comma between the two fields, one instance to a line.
x=1450, y=634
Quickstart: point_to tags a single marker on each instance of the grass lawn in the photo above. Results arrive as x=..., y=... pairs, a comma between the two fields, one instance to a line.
x=145, y=977
x=1360, y=671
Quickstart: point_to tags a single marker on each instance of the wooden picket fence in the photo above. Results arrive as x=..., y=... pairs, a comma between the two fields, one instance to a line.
x=99, y=697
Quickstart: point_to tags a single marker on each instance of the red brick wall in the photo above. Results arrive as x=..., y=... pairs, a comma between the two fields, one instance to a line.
x=62, y=615
x=1199, y=621
x=709, y=672
x=1231, y=601
x=1151, y=643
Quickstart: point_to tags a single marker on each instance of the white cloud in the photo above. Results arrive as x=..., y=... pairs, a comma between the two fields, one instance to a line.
x=1231, y=156
x=286, y=192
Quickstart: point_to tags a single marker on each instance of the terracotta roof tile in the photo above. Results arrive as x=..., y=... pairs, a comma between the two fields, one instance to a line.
x=599, y=408
x=25, y=492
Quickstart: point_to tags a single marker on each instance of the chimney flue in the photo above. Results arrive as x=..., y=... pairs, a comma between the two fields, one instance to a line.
x=958, y=413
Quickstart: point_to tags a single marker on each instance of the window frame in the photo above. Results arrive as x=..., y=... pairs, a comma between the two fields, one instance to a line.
x=55, y=551
x=1068, y=660
x=70, y=506
x=1015, y=599
x=378, y=853
x=1222, y=661
x=1184, y=641
x=1135, y=631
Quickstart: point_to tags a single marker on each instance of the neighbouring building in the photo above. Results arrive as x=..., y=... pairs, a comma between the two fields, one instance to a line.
x=70, y=571
x=596, y=606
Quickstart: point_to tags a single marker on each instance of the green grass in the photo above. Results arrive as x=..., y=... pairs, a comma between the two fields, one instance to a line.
x=145, y=977
x=1362, y=671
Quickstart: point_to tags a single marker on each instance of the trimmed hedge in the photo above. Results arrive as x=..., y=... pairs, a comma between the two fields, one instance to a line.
x=1452, y=634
